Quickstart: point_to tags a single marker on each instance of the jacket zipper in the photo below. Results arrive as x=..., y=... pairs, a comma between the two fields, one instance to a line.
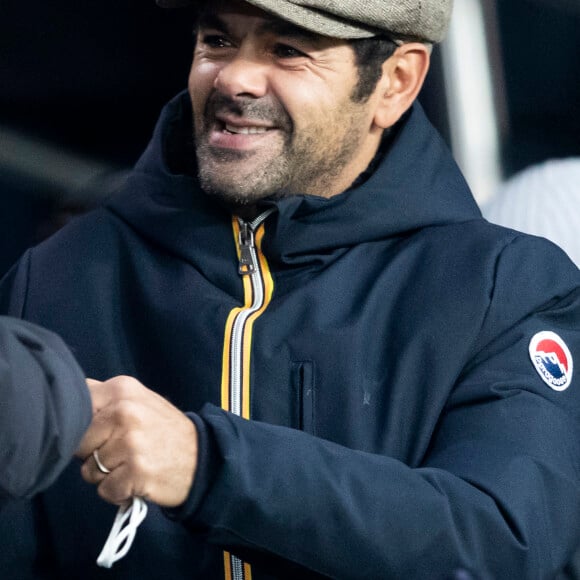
x=258, y=287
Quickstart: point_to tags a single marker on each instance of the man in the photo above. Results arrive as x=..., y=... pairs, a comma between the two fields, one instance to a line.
x=45, y=408
x=349, y=373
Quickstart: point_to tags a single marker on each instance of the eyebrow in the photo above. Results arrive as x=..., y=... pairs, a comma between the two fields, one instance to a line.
x=275, y=26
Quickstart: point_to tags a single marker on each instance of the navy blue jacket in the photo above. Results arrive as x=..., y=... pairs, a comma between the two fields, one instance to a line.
x=402, y=422
x=45, y=408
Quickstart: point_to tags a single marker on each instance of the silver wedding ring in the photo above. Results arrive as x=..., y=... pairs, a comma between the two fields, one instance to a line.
x=101, y=467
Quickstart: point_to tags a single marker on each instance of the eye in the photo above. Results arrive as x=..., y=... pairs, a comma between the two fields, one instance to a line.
x=286, y=51
x=215, y=41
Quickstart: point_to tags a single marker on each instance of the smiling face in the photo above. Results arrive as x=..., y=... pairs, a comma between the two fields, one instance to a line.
x=273, y=108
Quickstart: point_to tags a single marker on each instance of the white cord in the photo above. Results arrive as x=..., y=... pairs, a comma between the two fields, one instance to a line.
x=121, y=538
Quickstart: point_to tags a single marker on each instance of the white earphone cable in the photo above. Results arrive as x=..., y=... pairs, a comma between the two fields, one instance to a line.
x=123, y=532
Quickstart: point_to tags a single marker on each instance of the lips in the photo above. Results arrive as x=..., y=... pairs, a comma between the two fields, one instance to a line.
x=229, y=132
x=245, y=130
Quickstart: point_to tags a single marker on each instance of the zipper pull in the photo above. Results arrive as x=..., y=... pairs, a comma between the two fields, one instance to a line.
x=247, y=250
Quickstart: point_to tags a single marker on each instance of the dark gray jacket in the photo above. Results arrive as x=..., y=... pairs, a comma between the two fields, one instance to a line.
x=45, y=408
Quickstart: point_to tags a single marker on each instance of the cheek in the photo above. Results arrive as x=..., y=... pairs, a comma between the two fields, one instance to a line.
x=203, y=72
x=200, y=84
x=202, y=77
x=309, y=104
x=302, y=104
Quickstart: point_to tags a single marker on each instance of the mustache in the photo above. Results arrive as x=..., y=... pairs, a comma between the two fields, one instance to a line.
x=262, y=109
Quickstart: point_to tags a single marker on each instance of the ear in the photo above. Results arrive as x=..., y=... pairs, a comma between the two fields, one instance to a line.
x=403, y=77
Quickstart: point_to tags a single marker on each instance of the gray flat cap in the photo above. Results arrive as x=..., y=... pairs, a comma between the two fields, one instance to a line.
x=425, y=20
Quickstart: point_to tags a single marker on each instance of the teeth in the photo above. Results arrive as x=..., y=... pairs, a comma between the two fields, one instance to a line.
x=245, y=130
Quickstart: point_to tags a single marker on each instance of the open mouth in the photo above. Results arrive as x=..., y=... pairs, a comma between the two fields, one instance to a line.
x=237, y=130
x=240, y=134
x=231, y=125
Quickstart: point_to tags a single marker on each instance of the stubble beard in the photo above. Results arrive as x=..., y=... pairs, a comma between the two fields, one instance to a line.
x=309, y=163
x=224, y=175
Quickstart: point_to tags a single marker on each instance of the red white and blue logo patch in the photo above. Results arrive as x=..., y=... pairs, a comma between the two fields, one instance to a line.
x=552, y=359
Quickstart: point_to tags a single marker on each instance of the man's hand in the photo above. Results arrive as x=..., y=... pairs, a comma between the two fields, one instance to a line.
x=149, y=446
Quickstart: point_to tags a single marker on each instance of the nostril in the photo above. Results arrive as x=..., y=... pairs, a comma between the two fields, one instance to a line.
x=241, y=78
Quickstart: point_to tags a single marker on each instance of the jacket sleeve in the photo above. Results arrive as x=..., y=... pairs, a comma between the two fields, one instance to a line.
x=498, y=492
x=45, y=407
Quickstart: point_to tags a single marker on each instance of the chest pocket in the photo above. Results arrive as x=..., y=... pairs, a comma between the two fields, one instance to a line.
x=303, y=385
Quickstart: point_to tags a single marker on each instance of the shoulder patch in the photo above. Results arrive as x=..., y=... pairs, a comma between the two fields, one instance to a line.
x=552, y=359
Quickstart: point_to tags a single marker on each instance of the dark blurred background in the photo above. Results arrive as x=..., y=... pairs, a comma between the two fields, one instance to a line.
x=81, y=86
x=82, y=83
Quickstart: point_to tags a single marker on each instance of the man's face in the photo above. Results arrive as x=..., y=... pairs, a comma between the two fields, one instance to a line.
x=272, y=108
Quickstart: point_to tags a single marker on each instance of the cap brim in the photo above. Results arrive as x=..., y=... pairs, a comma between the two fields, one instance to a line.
x=313, y=20
x=386, y=18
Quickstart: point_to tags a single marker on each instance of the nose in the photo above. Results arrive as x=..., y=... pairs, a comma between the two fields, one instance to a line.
x=242, y=76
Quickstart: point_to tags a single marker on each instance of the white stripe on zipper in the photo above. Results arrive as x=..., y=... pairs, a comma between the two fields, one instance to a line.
x=236, y=351
x=249, y=265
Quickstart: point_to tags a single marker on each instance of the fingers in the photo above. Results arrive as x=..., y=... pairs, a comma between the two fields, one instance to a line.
x=114, y=487
x=102, y=468
x=112, y=401
x=100, y=430
x=119, y=487
x=149, y=446
x=99, y=463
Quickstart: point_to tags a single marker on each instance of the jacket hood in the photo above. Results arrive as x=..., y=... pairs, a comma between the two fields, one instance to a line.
x=415, y=185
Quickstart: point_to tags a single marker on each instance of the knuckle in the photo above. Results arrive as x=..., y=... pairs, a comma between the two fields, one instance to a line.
x=133, y=442
x=121, y=387
x=140, y=465
x=125, y=385
x=126, y=411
